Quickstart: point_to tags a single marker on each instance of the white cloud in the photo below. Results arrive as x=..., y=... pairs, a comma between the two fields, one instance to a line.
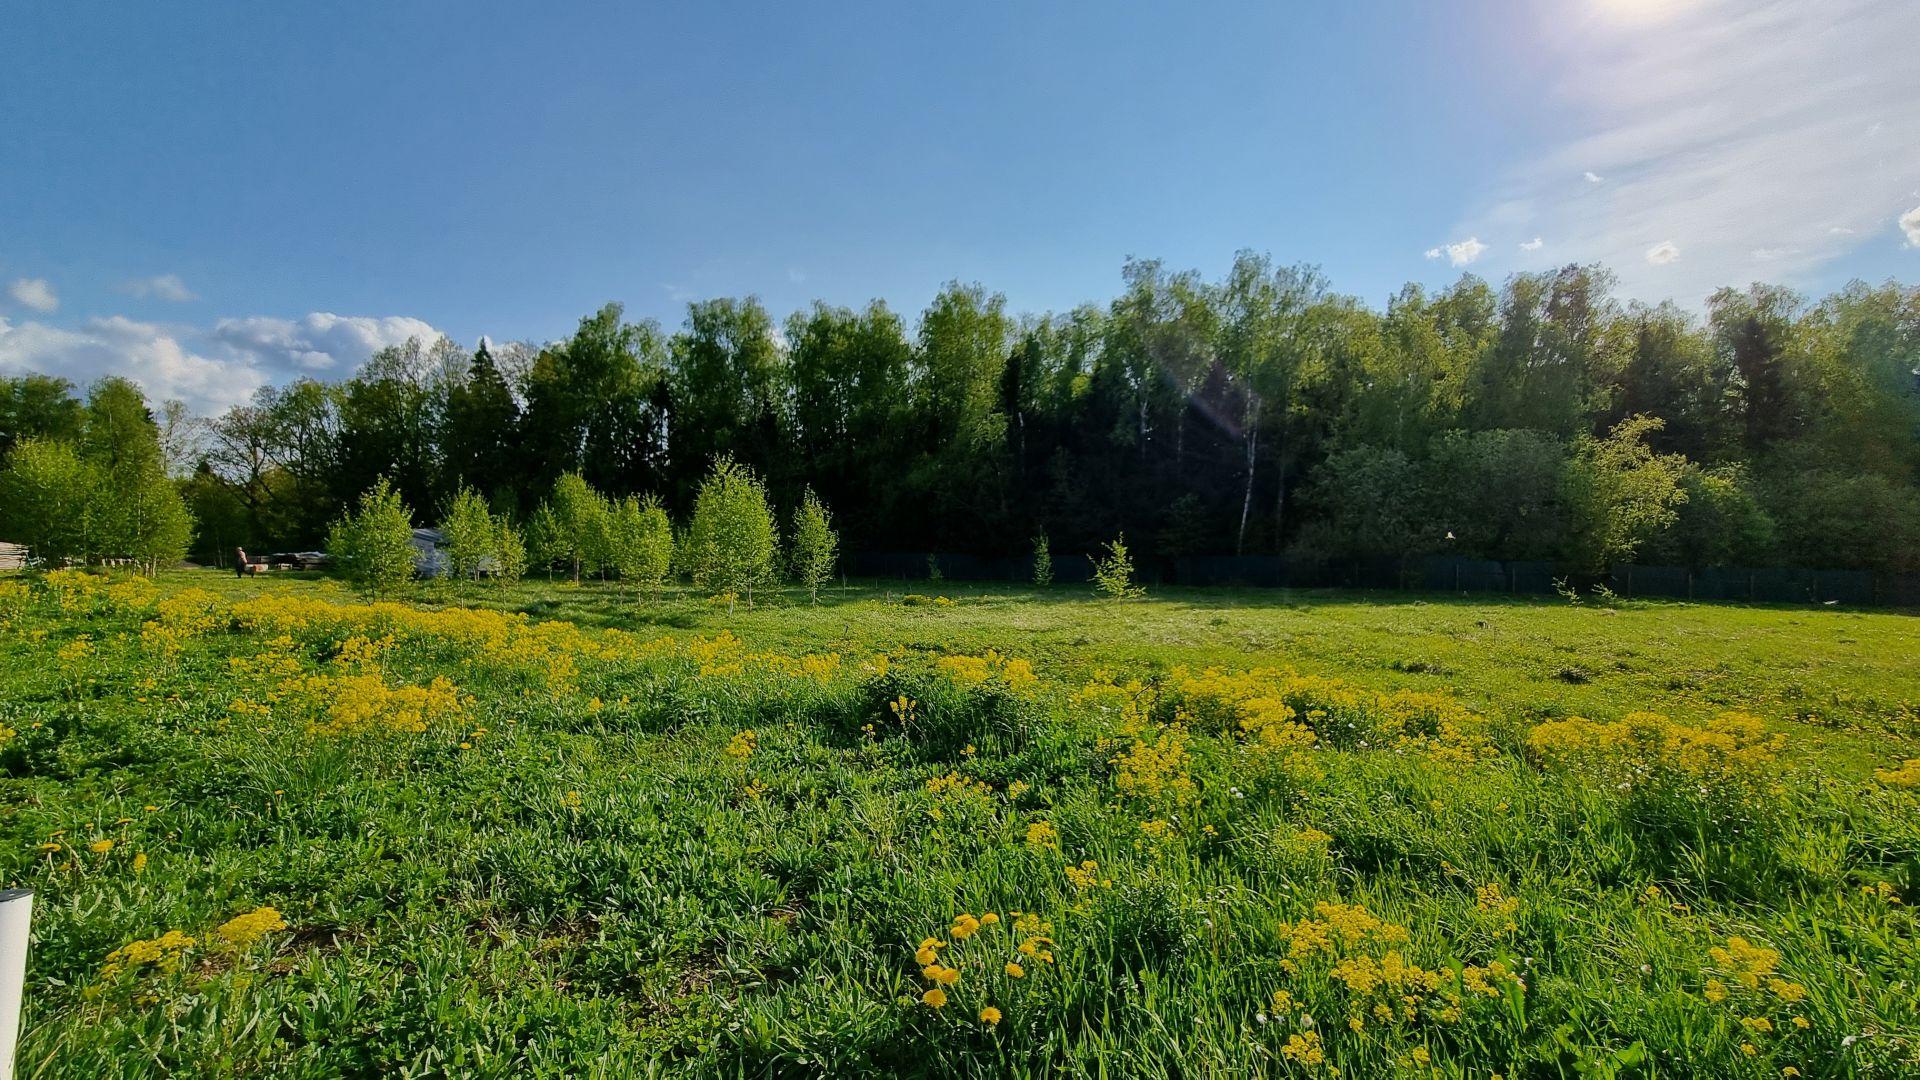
x=1459, y=253
x=208, y=368
x=1772, y=253
x=1697, y=135
x=1910, y=224
x=35, y=293
x=1534, y=244
x=1663, y=253
x=317, y=343
x=163, y=286
x=1594, y=177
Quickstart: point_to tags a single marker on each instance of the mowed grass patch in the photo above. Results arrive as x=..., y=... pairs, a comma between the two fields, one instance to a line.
x=276, y=830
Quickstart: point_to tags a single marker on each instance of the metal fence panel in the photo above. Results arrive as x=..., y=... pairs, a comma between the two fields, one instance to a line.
x=1435, y=573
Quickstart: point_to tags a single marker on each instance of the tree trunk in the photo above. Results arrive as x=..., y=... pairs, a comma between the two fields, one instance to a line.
x=1252, y=439
x=1280, y=498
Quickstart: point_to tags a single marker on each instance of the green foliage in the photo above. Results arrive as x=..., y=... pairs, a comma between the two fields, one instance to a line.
x=1826, y=516
x=144, y=517
x=815, y=545
x=1042, y=561
x=1113, y=572
x=1255, y=411
x=1721, y=522
x=509, y=553
x=732, y=540
x=545, y=546
x=1620, y=494
x=468, y=527
x=105, y=496
x=46, y=493
x=641, y=536
x=374, y=544
x=1373, y=501
x=1499, y=492
x=573, y=528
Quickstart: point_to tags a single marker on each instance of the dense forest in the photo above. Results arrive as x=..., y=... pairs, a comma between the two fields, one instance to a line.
x=1261, y=412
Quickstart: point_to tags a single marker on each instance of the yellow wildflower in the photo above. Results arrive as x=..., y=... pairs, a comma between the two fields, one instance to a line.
x=935, y=997
x=989, y=1015
x=241, y=931
x=1304, y=1047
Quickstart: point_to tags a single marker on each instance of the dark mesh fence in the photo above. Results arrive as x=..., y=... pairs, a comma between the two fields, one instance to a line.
x=1435, y=573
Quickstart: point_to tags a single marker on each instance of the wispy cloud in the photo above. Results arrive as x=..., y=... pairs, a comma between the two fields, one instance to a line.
x=1534, y=244
x=1703, y=142
x=163, y=286
x=35, y=293
x=1662, y=253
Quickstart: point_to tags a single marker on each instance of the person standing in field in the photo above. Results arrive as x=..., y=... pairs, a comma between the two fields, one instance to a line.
x=239, y=562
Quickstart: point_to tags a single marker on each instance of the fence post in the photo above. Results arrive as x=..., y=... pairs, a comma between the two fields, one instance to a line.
x=16, y=919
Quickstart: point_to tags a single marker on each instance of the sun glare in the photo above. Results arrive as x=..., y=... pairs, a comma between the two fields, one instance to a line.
x=1638, y=12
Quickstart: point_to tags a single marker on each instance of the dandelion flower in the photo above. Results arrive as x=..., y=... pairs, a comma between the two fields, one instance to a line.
x=100, y=847
x=935, y=997
x=989, y=1015
x=1016, y=970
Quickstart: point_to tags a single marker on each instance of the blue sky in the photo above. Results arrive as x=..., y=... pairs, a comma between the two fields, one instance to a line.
x=211, y=196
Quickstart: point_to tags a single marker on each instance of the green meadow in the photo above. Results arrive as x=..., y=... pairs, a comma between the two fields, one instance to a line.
x=937, y=829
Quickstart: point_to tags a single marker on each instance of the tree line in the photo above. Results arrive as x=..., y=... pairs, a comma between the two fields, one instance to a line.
x=731, y=545
x=1257, y=412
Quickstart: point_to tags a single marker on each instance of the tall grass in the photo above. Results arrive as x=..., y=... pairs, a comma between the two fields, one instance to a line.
x=501, y=847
